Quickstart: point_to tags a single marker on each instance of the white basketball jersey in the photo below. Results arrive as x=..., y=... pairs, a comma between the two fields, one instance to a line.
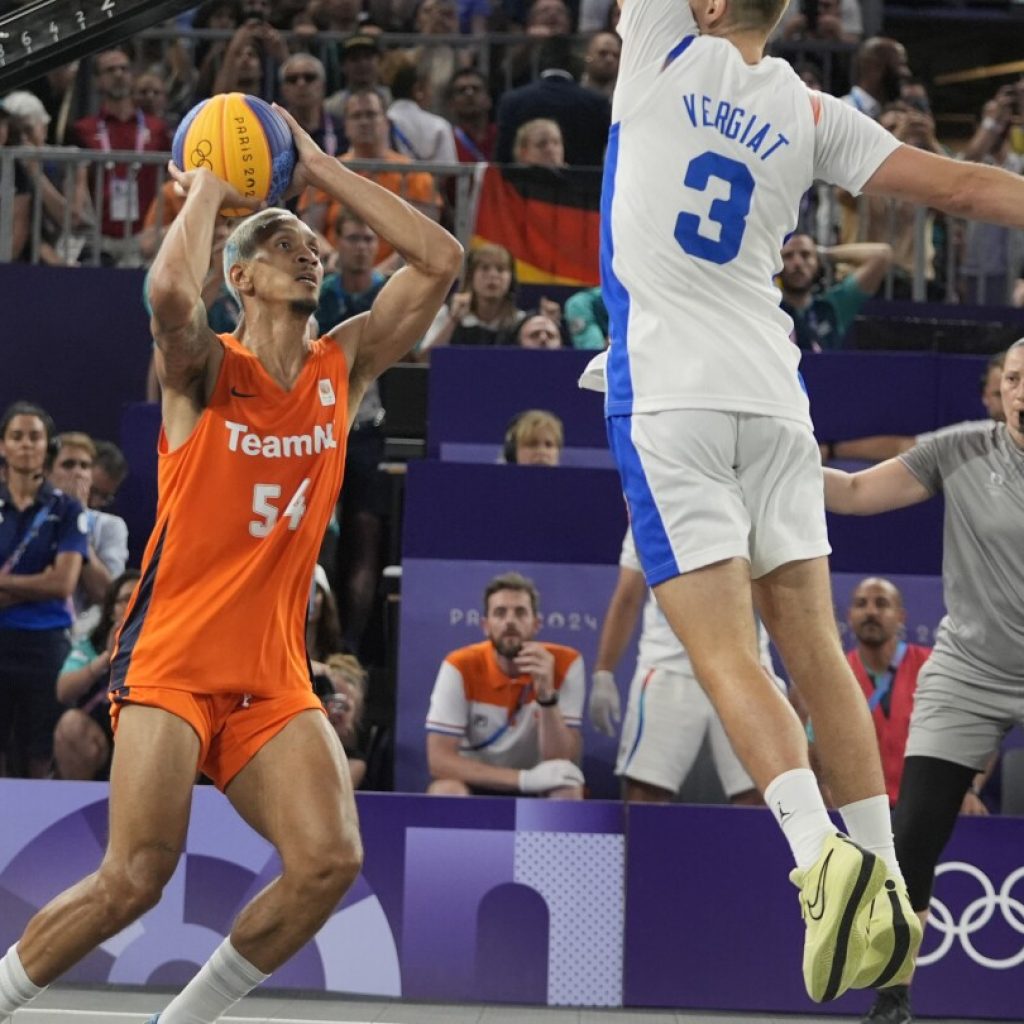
x=708, y=158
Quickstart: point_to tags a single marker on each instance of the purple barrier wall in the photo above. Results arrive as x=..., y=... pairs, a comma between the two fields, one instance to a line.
x=446, y=887
x=715, y=924
x=695, y=912
x=474, y=392
x=75, y=340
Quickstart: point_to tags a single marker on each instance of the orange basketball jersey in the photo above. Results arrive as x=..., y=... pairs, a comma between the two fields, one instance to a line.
x=243, y=506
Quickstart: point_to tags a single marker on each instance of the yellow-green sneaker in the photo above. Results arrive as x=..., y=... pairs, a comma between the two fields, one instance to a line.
x=835, y=897
x=894, y=937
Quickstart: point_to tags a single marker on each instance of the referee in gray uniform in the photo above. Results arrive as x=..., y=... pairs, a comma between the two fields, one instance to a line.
x=971, y=691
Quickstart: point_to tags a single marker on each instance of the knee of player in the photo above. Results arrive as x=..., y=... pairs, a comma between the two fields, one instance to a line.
x=729, y=669
x=133, y=883
x=326, y=874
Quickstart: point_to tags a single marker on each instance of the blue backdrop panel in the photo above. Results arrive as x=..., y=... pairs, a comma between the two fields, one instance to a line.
x=529, y=513
x=76, y=340
x=474, y=392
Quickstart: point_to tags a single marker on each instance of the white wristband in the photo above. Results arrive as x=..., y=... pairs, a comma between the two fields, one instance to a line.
x=989, y=124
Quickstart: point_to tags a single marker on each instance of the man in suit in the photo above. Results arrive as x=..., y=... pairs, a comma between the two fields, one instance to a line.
x=582, y=114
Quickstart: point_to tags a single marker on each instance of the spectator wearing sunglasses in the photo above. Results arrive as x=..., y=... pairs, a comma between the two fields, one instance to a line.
x=302, y=81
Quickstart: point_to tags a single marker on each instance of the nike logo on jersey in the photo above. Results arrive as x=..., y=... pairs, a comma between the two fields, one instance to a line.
x=241, y=394
x=274, y=446
x=816, y=908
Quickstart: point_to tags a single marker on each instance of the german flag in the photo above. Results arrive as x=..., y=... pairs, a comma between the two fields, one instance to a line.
x=548, y=219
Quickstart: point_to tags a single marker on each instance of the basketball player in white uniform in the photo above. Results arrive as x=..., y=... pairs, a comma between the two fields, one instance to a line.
x=710, y=149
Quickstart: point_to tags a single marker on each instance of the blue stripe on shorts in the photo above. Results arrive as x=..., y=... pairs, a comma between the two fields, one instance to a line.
x=649, y=534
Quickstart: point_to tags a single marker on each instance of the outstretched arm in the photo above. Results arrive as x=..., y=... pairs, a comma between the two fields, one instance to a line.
x=882, y=488
x=407, y=304
x=975, y=191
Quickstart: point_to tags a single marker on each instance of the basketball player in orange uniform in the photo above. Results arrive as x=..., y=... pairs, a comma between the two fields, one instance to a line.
x=210, y=669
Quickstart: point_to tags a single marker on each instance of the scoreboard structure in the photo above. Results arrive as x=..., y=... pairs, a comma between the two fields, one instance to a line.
x=41, y=35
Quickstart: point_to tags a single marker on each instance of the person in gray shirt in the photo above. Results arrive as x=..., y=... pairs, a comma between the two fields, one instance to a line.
x=971, y=691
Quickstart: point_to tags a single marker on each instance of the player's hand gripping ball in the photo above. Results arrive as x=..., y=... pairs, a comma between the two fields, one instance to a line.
x=241, y=140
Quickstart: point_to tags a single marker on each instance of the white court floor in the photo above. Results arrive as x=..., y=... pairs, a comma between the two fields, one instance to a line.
x=66, y=1005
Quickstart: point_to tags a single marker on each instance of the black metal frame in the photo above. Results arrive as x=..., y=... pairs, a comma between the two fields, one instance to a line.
x=59, y=31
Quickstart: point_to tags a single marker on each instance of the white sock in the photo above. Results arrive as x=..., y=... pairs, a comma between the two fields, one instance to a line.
x=795, y=800
x=869, y=825
x=16, y=990
x=224, y=979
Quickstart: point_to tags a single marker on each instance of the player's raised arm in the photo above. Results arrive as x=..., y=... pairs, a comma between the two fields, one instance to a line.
x=185, y=344
x=408, y=303
x=957, y=187
x=175, y=282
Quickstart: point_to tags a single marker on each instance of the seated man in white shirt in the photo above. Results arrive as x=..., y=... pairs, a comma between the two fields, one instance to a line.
x=505, y=713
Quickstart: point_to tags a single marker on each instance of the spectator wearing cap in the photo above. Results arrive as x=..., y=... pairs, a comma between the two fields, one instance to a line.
x=418, y=133
x=10, y=135
x=33, y=123
x=582, y=114
x=360, y=64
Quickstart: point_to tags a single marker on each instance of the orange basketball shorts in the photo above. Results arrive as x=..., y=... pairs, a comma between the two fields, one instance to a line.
x=232, y=728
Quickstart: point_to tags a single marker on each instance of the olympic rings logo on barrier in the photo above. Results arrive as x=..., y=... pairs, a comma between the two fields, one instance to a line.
x=975, y=916
x=198, y=157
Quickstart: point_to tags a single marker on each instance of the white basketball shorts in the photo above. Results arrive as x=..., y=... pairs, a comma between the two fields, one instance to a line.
x=703, y=486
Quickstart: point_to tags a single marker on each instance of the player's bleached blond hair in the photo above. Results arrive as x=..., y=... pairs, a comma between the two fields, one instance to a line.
x=762, y=15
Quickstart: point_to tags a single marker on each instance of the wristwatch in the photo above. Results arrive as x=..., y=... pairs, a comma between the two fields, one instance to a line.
x=550, y=702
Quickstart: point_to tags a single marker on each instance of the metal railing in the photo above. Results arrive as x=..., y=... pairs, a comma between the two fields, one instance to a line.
x=76, y=227
x=69, y=231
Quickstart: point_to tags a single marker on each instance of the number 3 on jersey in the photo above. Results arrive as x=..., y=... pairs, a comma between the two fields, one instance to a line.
x=264, y=497
x=729, y=213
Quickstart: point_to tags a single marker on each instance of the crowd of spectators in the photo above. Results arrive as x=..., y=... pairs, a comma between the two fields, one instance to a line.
x=468, y=91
